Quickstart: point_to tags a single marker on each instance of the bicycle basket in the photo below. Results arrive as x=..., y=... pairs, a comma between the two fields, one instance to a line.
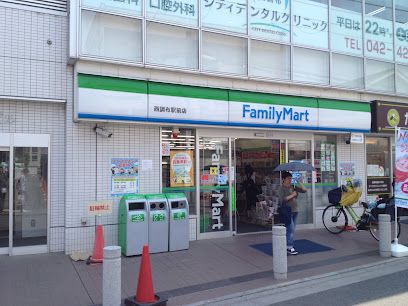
x=334, y=195
x=350, y=197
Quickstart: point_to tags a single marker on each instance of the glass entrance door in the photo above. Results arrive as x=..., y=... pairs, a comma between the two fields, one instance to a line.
x=24, y=193
x=300, y=151
x=215, y=187
x=30, y=196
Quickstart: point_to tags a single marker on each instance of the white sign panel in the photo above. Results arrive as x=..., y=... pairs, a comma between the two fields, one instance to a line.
x=272, y=115
x=346, y=31
x=357, y=138
x=184, y=11
x=230, y=15
x=310, y=23
x=109, y=102
x=378, y=38
x=188, y=109
x=270, y=19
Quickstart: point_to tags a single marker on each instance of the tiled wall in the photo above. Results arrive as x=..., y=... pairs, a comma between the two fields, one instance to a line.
x=88, y=175
x=33, y=54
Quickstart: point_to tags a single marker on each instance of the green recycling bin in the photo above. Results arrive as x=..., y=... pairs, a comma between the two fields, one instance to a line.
x=133, y=224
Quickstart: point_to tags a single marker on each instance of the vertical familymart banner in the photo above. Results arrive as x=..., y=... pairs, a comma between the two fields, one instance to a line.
x=401, y=168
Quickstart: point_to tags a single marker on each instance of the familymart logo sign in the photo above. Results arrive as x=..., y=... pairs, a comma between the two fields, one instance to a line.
x=273, y=115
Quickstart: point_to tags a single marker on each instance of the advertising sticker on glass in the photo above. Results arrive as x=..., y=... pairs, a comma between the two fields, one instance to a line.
x=124, y=176
x=401, y=168
x=310, y=23
x=182, y=11
x=270, y=19
x=346, y=31
x=230, y=15
x=131, y=7
x=181, y=169
x=401, y=42
x=378, y=38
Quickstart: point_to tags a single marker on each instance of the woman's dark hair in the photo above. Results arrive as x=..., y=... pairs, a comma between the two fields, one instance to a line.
x=249, y=170
x=286, y=174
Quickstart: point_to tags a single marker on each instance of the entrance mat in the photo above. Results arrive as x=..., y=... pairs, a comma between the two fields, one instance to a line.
x=303, y=246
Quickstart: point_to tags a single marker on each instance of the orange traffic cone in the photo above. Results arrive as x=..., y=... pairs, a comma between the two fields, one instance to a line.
x=145, y=293
x=97, y=256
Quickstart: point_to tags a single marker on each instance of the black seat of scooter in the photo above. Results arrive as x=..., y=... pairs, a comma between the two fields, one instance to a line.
x=365, y=205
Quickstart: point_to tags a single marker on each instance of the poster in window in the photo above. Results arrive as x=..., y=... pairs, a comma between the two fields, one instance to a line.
x=181, y=168
x=124, y=176
x=347, y=172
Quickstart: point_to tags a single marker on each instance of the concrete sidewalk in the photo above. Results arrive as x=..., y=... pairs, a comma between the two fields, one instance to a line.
x=209, y=269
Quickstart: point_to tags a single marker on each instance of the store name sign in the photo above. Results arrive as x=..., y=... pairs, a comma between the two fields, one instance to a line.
x=274, y=114
x=207, y=106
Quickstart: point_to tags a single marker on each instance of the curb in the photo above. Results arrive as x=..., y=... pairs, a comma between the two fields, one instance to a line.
x=260, y=291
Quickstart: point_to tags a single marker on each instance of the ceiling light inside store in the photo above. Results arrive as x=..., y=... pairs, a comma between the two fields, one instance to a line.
x=377, y=11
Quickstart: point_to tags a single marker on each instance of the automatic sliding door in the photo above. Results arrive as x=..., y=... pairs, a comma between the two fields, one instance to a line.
x=214, y=186
x=30, y=196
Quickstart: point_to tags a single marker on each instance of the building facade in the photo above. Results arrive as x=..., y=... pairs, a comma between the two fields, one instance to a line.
x=192, y=93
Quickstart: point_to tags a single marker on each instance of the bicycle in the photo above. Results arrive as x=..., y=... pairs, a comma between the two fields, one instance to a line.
x=335, y=218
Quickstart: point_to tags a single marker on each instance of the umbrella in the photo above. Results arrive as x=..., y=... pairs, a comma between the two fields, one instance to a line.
x=295, y=166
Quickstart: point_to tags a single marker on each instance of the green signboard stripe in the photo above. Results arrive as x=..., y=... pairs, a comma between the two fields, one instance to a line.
x=264, y=98
x=344, y=105
x=110, y=83
x=187, y=91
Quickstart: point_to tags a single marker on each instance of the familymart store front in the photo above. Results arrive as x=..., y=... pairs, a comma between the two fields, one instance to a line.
x=214, y=140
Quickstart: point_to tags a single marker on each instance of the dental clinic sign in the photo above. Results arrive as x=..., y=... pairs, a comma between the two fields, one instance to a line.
x=110, y=98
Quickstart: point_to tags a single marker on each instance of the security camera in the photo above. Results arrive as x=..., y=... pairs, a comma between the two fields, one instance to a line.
x=348, y=139
x=103, y=132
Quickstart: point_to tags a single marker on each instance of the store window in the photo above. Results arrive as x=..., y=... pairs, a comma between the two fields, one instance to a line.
x=178, y=163
x=379, y=76
x=346, y=32
x=402, y=79
x=310, y=23
x=99, y=36
x=270, y=60
x=378, y=167
x=310, y=66
x=171, y=46
x=347, y=71
x=378, y=26
x=225, y=54
x=401, y=31
x=230, y=16
x=325, y=159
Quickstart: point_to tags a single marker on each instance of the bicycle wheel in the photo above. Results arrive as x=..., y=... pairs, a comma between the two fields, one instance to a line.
x=334, y=219
x=373, y=226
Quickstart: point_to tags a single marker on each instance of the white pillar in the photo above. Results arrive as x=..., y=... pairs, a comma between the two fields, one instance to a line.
x=111, y=290
x=384, y=235
x=280, y=257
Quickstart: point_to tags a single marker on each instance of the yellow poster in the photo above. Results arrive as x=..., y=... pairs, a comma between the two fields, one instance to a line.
x=181, y=168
